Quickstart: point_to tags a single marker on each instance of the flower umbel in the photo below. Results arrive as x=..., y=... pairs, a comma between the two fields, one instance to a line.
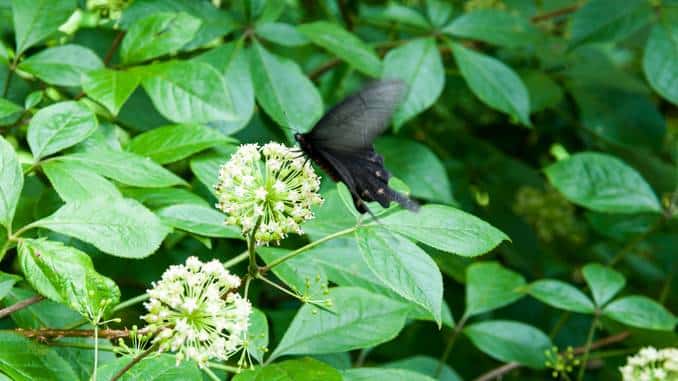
x=651, y=364
x=272, y=197
x=194, y=312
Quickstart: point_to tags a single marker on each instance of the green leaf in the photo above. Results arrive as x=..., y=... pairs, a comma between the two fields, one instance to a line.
x=446, y=229
x=495, y=27
x=402, y=14
x=215, y=22
x=418, y=63
x=281, y=34
x=158, y=35
x=302, y=276
x=370, y=374
x=206, y=168
x=605, y=20
x=621, y=117
x=8, y=109
x=66, y=275
x=155, y=198
x=510, y=341
x=283, y=91
x=603, y=281
x=304, y=369
x=7, y=281
x=25, y=360
x=642, y=312
x=33, y=99
x=622, y=226
x=11, y=182
x=62, y=65
x=198, y=219
x=124, y=167
x=172, y=143
x=257, y=335
x=111, y=88
x=403, y=267
x=344, y=45
x=59, y=126
x=35, y=20
x=121, y=227
x=561, y=295
x=427, y=366
x=231, y=60
x=154, y=368
x=188, y=92
x=494, y=83
x=602, y=183
x=417, y=166
x=362, y=319
x=490, y=286
x=544, y=92
x=74, y=183
x=660, y=61
x=438, y=11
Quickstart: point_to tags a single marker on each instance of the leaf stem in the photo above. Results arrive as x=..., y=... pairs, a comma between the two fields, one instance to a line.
x=450, y=345
x=587, y=347
x=231, y=369
x=307, y=247
x=8, y=78
x=130, y=302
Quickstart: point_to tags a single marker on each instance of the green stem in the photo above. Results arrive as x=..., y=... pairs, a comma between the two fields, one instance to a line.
x=134, y=361
x=231, y=369
x=308, y=247
x=8, y=79
x=587, y=347
x=450, y=345
x=130, y=302
x=253, y=269
x=210, y=374
x=96, y=351
x=237, y=259
x=564, y=317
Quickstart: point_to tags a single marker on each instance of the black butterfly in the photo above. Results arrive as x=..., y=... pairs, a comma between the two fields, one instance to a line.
x=342, y=144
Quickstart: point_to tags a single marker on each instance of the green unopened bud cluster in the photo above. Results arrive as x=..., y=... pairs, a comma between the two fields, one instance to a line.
x=560, y=363
x=549, y=213
x=269, y=190
x=650, y=364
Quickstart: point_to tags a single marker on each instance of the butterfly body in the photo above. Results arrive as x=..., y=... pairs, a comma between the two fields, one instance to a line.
x=341, y=143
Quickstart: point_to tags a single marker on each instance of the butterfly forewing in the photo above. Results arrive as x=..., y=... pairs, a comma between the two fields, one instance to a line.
x=342, y=144
x=356, y=121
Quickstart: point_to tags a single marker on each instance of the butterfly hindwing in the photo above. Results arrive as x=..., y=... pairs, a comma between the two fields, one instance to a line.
x=364, y=174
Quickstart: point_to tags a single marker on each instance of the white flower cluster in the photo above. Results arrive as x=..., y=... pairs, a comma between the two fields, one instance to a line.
x=273, y=197
x=651, y=364
x=196, y=313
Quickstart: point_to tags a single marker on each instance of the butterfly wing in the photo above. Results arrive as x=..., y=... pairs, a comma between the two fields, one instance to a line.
x=354, y=123
x=364, y=174
x=341, y=143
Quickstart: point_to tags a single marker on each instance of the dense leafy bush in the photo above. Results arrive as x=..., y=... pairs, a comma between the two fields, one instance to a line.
x=541, y=138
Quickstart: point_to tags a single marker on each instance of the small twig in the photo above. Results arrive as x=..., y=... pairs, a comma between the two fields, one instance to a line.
x=450, y=344
x=114, y=46
x=555, y=13
x=134, y=361
x=502, y=370
x=50, y=333
x=20, y=305
x=10, y=73
x=322, y=69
